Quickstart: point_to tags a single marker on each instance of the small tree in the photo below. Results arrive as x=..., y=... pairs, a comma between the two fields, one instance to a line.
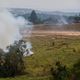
x=11, y=63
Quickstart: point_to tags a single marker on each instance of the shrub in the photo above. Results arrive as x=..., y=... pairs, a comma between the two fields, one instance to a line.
x=76, y=71
x=11, y=63
x=60, y=73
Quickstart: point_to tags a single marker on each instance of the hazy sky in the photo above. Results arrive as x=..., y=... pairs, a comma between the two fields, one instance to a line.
x=51, y=5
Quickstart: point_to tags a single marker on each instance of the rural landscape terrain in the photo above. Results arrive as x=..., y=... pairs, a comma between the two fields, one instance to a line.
x=50, y=46
x=55, y=39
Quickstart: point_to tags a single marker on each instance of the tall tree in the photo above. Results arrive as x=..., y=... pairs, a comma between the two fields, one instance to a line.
x=33, y=17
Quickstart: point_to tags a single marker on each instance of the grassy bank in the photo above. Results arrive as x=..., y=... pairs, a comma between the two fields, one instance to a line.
x=27, y=78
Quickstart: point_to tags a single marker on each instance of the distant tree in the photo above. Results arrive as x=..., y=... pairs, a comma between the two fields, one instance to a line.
x=77, y=19
x=74, y=19
x=33, y=17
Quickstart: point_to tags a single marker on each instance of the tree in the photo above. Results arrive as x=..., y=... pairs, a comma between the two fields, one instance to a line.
x=33, y=17
x=11, y=63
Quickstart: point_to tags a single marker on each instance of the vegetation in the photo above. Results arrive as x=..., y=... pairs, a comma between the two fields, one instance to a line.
x=34, y=18
x=60, y=73
x=11, y=62
x=74, y=19
x=76, y=71
x=47, y=51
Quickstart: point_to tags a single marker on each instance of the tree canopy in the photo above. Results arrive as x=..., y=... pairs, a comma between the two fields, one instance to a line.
x=11, y=62
x=33, y=17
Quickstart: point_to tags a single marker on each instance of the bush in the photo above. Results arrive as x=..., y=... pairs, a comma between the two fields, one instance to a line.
x=11, y=63
x=76, y=71
x=60, y=73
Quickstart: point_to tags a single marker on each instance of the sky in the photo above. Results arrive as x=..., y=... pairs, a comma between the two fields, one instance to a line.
x=45, y=5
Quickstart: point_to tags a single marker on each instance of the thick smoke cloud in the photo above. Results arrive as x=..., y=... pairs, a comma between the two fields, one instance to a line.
x=9, y=28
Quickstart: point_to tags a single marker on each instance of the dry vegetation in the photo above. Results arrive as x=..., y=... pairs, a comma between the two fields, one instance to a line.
x=66, y=30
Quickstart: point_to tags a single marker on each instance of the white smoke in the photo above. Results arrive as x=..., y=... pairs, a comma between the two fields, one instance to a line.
x=28, y=51
x=9, y=28
x=62, y=20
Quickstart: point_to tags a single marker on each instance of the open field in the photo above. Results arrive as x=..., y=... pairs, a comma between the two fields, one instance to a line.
x=66, y=30
x=45, y=27
x=49, y=47
x=57, y=33
x=48, y=50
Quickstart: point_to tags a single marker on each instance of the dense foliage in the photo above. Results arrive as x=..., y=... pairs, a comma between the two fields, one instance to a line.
x=61, y=72
x=11, y=62
x=33, y=17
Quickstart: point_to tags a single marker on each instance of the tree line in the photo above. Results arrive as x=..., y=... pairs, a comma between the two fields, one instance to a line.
x=51, y=19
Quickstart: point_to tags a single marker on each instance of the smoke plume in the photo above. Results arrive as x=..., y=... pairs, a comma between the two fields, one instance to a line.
x=9, y=28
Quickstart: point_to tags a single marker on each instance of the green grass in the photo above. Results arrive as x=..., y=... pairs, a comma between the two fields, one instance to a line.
x=26, y=78
x=47, y=50
x=66, y=50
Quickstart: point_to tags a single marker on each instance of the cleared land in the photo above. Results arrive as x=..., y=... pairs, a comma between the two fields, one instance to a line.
x=57, y=33
x=62, y=30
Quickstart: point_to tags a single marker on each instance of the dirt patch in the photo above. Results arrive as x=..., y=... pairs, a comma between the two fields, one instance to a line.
x=63, y=33
x=63, y=30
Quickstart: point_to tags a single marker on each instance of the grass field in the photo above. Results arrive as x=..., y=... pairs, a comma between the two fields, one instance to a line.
x=47, y=50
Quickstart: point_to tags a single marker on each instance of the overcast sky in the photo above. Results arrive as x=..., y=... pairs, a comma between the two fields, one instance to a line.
x=51, y=5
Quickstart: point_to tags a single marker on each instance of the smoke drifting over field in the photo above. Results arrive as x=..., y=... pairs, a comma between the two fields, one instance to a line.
x=9, y=28
x=62, y=20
